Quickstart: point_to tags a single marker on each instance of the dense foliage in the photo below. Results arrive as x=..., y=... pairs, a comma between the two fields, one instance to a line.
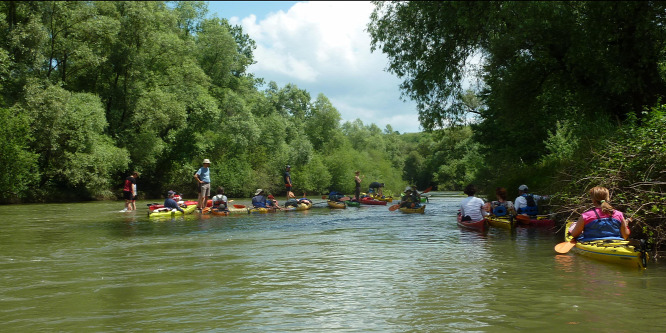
x=92, y=90
x=562, y=96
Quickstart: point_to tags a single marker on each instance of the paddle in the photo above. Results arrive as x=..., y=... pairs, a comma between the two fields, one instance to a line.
x=564, y=247
x=344, y=199
x=239, y=206
x=394, y=207
x=427, y=190
x=525, y=219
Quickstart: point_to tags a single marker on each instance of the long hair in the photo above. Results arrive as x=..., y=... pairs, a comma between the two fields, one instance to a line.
x=601, y=196
x=501, y=193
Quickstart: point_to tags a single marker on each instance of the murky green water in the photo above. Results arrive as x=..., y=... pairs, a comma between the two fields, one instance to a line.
x=88, y=268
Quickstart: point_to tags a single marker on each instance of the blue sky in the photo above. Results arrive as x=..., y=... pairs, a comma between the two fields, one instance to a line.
x=322, y=47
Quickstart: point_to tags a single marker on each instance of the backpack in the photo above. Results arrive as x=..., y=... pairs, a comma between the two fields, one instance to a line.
x=531, y=208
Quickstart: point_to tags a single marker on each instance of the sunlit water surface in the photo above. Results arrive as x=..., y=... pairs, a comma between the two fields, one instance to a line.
x=88, y=267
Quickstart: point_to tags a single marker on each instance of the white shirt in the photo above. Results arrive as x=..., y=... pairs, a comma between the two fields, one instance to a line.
x=521, y=201
x=220, y=197
x=473, y=207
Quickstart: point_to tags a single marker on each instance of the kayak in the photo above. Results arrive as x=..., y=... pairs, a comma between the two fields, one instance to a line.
x=382, y=198
x=262, y=210
x=336, y=204
x=504, y=222
x=303, y=205
x=623, y=252
x=371, y=201
x=420, y=210
x=173, y=213
x=535, y=221
x=350, y=203
x=481, y=225
x=230, y=210
x=157, y=206
x=234, y=210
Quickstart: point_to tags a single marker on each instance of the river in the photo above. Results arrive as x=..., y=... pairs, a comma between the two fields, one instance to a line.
x=86, y=267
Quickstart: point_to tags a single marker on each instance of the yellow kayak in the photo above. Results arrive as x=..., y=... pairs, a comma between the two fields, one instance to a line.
x=173, y=213
x=622, y=252
x=382, y=198
x=420, y=210
x=337, y=204
x=504, y=222
x=262, y=210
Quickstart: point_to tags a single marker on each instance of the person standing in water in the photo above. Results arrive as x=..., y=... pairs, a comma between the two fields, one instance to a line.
x=203, y=177
x=287, y=182
x=357, y=188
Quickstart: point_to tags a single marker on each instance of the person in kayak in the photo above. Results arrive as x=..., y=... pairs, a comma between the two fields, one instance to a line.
x=172, y=204
x=410, y=199
x=501, y=206
x=259, y=199
x=203, y=177
x=526, y=203
x=602, y=221
x=220, y=200
x=129, y=188
x=272, y=203
x=473, y=208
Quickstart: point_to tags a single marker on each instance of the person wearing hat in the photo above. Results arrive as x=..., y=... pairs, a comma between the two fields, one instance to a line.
x=525, y=203
x=259, y=199
x=409, y=199
x=129, y=192
x=287, y=182
x=272, y=203
x=203, y=177
x=170, y=203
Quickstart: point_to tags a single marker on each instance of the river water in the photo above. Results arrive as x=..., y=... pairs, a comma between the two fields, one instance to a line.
x=86, y=267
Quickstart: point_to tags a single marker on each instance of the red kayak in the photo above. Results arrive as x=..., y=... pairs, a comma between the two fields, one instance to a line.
x=371, y=201
x=481, y=225
x=535, y=221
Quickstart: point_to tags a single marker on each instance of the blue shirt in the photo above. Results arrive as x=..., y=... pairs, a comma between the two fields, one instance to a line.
x=170, y=203
x=259, y=201
x=204, y=174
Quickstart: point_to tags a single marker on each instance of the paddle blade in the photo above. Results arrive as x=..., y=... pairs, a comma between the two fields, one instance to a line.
x=239, y=206
x=523, y=219
x=564, y=247
x=427, y=190
x=345, y=199
x=394, y=207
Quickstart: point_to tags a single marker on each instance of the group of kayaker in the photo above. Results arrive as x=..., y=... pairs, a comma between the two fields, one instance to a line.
x=219, y=201
x=600, y=222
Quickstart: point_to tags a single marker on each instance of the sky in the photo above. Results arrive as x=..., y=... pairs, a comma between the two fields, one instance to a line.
x=322, y=47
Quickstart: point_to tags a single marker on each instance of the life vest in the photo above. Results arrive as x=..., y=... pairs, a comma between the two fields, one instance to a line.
x=602, y=228
x=500, y=210
x=531, y=208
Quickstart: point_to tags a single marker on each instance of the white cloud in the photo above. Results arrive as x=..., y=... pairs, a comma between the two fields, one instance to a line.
x=323, y=47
